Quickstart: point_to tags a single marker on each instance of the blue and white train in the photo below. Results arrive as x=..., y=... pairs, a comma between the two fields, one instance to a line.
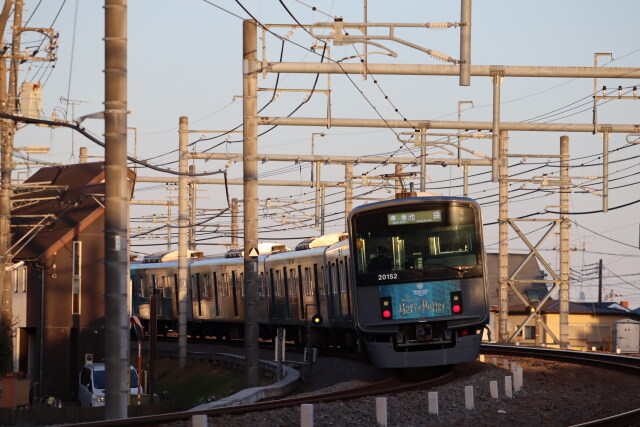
x=407, y=282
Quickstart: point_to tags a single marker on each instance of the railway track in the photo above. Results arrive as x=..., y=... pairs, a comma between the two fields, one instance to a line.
x=391, y=385
x=629, y=365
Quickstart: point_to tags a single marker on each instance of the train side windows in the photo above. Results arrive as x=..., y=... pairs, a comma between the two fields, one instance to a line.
x=334, y=278
x=321, y=282
x=166, y=288
x=224, y=281
x=307, y=282
x=293, y=281
x=278, y=283
x=241, y=284
x=343, y=278
x=206, y=283
x=154, y=284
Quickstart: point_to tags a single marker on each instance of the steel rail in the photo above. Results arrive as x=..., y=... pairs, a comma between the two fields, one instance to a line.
x=391, y=385
x=603, y=360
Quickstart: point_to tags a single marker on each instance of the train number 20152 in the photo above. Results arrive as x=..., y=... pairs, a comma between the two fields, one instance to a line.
x=388, y=276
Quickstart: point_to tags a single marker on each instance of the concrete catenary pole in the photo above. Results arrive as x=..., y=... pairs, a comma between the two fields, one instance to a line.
x=183, y=182
x=503, y=234
x=348, y=192
x=564, y=241
x=250, y=174
x=193, y=194
x=116, y=211
x=8, y=131
x=465, y=42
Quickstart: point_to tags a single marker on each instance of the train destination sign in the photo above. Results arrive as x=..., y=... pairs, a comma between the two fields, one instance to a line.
x=421, y=299
x=416, y=217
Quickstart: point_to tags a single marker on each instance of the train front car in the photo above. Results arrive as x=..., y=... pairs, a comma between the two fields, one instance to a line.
x=420, y=280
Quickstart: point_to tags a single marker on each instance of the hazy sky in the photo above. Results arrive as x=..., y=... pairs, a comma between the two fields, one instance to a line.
x=185, y=58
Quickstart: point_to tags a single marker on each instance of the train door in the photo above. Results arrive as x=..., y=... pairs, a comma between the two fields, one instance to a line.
x=234, y=294
x=320, y=298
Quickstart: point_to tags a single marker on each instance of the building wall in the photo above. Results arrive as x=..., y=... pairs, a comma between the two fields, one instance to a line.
x=585, y=330
x=67, y=337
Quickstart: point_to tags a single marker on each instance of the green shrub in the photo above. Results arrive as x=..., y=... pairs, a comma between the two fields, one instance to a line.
x=7, y=332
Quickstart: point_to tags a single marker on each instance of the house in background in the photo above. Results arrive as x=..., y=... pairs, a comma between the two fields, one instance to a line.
x=57, y=221
x=591, y=324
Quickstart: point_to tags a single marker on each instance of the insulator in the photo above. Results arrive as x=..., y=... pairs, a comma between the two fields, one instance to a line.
x=604, y=91
x=619, y=90
x=635, y=91
x=441, y=56
x=439, y=25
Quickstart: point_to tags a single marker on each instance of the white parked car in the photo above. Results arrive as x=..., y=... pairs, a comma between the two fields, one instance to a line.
x=92, y=384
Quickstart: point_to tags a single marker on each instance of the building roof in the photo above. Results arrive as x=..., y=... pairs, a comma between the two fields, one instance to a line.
x=593, y=308
x=54, y=204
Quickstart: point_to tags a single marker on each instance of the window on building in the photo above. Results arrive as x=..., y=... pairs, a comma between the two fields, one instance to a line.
x=529, y=333
x=76, y=278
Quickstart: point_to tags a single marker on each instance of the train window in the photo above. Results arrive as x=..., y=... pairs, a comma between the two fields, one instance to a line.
x=224, y=288
x=278, y=283
x=241, y=285
x=206, y=283
x=343, y=279
x=308, y=284
x=166, y=288
x=334, y=277
x=293, y=280
x=194, y=289
x=154, y=283
x=321, y=282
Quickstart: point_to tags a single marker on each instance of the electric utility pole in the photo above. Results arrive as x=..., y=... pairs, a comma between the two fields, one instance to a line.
x=116, y=220
x=10, y=106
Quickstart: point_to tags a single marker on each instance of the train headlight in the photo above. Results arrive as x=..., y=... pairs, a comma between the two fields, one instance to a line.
x=316, y=319
x=385, y=308
x=456, y=302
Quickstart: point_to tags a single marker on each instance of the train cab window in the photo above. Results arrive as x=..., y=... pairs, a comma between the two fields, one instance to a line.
x=293, y=280
x=167, y=286
x=206, y=284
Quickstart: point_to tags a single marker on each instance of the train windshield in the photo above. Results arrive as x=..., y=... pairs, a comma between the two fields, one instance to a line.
x=422, y=243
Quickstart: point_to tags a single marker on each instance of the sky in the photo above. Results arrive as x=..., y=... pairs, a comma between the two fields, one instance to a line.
x=185, y=59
